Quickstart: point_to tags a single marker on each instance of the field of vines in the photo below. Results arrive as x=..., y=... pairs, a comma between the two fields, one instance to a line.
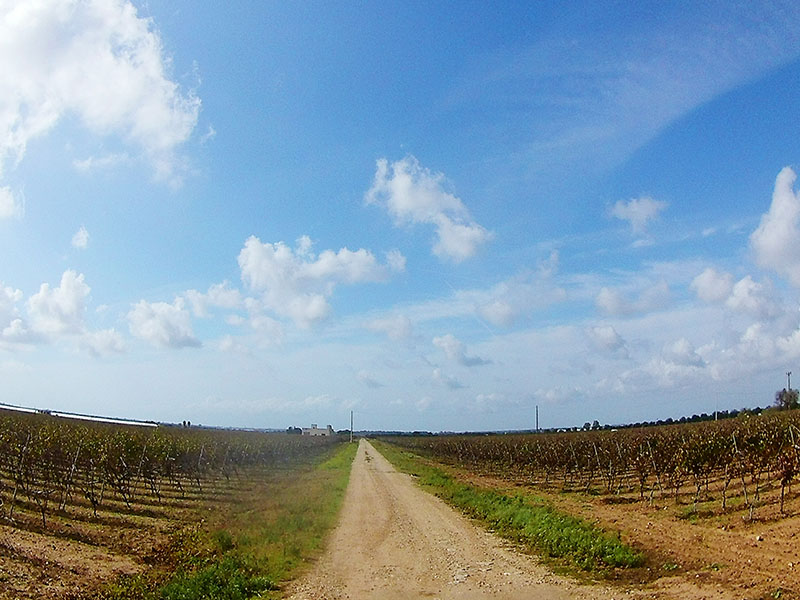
x=52, y=463
x=741, y=457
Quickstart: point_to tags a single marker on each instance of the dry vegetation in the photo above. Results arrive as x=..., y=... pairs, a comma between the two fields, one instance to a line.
x=710, y=504
x=85, y=506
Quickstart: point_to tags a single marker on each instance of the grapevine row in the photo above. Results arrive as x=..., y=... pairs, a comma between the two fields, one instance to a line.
x=748, y=452
x=48, y=460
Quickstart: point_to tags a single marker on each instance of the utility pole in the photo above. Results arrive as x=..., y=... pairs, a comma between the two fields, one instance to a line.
x=537, y=417
x=351, y=426
x=789, y=380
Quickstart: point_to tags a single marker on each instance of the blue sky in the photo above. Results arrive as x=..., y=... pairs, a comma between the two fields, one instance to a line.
x=436, y=215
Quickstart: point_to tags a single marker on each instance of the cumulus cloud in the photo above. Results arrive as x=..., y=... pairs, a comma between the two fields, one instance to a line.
x=13, y=330
x=219, y=295
x=606, y=339
x=612, y=302
x=412, y=195
x=681, y=352
x=638, y=212
x=60, y=310
x=774, y=242
x=162, y=324
x=81, y=238
x=755, y=299
x=8, y=304
x=456, y=351
x=712, y=286
x=297, y=283
x=396, y=327
x=99, y=62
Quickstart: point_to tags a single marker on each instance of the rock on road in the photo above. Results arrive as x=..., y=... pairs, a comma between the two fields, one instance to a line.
x=396, y=541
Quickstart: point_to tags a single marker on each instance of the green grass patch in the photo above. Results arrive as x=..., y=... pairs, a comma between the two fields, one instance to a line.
x=530, y=521
x=246, y=549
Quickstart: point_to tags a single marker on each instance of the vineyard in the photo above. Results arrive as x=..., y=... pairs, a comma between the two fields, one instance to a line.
x=52, y=463
x=696, y=462
x=82, y=503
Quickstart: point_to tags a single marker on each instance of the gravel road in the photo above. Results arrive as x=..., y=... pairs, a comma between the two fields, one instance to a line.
x=396, y=541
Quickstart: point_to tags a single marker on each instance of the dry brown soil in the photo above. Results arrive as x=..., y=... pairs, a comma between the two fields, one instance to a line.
x=396, y=541
x=699, y=547
x=77, y=552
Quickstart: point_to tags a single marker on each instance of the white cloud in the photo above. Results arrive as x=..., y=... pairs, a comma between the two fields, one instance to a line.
x=638, y=212
x=612, y=302
x=412, y=194
x=94, y=163
x=774, y=242
x=81, y=238
x=103, y=342
x=61, y=310
x=397, y=327
x=511, y=299
x=13, y=330
x=606, y=339
x=456, y=351
x=494, y=402
x=447, y=381
x=8, y=300
x=499, y=312
x=712, y=286
x=9, y=207
x=219, y=295
x=297, y=284
x=98, y=61
x=681, y=352
x=162, y=324
x=17, y=333
x=396, y=261
x=267, y=328
x=231, y=344
x=558, y=395
x=755, y=299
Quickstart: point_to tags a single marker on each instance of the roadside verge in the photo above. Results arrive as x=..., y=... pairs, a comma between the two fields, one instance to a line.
x=525, y=519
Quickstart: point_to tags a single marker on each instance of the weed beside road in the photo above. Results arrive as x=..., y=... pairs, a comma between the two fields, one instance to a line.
x=251, y=546
x=530, y=521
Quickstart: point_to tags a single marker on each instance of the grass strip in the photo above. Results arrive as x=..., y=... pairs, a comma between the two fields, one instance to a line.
x=247, y=550
x=532, y=522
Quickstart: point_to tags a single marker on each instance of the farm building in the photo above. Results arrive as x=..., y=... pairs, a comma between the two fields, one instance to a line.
x=314, y=430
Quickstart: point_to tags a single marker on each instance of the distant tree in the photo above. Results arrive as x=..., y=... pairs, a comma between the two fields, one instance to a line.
x=787, y=399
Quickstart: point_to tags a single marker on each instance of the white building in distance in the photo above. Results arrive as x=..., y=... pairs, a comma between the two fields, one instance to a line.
x=314, y=430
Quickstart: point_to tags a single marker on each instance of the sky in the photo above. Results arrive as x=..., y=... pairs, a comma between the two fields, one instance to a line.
x=437, y=215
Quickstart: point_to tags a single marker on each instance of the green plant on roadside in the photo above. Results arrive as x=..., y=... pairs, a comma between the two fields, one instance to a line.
x=530, y=521
x=260, y=543
x=227, y=579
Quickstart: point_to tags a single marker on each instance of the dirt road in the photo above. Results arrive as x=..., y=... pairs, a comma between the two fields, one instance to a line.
x=396, y=541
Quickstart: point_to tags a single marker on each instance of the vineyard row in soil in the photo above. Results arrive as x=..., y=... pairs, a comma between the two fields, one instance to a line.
x=742, y=455
x=85, y=507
